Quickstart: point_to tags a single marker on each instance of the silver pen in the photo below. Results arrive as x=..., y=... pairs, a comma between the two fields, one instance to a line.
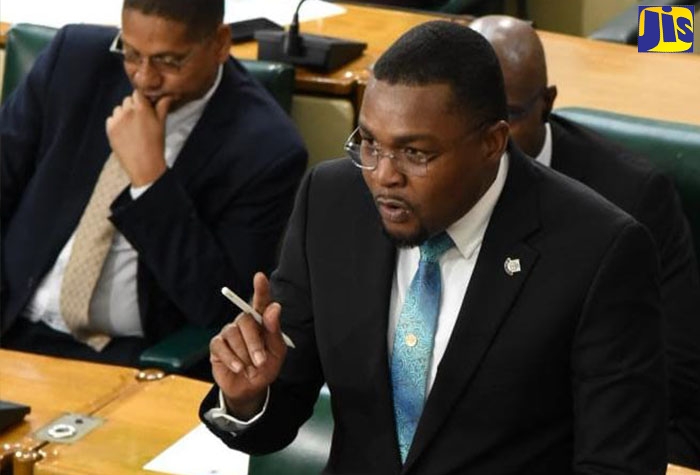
x=243, y=305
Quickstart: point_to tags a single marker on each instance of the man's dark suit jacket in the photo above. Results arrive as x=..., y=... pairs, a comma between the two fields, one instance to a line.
x=637, y=187
x=213, y=219
x=556, y=369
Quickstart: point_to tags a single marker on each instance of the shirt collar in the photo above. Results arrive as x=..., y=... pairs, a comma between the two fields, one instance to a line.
x=468, y=231
x=193, y=109
x=545, y=155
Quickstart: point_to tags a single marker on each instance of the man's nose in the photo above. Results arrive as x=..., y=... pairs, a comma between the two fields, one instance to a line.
x=146, y=76
x=386, y=172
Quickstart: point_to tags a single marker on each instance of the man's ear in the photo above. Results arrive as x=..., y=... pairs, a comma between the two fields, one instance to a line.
x=222, y=42
x=550, y=94
x=495, y=140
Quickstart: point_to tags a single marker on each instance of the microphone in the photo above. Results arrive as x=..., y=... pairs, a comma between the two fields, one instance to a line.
x=323, y=53
x=293, y=43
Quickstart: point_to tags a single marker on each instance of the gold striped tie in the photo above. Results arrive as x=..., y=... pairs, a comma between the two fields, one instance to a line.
x=93, y=238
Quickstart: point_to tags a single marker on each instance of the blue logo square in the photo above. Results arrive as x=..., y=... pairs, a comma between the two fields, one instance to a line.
x=665, y=29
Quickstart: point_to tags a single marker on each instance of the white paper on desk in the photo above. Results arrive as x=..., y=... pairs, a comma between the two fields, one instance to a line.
x=199, y=453
x=108, y=12
x=279, y=11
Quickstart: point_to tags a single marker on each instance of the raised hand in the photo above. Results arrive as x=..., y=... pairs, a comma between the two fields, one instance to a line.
x=246, y=357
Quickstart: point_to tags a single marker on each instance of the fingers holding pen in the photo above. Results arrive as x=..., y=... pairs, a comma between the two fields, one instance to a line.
x=247, y=348
x=237, y=343
x=252, y=343
x=247, y=354
x=221, y=349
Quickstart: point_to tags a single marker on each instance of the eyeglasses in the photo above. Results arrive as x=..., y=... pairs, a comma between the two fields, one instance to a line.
x=163, y=63
x=365, y=153
x=517, y=112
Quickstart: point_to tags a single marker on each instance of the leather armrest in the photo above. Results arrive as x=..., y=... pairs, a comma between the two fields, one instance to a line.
x=179, y=351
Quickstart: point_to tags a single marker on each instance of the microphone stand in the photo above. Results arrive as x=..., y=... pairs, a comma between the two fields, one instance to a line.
x=323, y=53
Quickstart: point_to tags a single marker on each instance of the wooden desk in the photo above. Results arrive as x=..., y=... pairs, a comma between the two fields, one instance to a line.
x=141, y=418
x=587, y=73
x=676, y=470
x=138, y=426
x=53, y=386
x=617, y=78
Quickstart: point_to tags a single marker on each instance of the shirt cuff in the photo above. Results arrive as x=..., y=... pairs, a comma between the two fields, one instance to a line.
x=136, y=191
x=220, y=417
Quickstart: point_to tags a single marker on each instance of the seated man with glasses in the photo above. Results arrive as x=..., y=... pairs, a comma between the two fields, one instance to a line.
x=142, y=170
x=453, y=295
x=630, y=182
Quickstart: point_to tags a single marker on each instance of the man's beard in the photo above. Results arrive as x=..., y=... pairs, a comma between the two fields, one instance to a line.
x=415, y=239
x=404, y=241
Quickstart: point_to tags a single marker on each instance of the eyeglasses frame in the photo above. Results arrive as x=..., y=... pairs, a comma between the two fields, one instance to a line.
x=117, y=47
x=355, y=156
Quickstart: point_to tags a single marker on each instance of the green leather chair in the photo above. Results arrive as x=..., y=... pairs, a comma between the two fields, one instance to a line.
x=24, y=42
x=308, y=453
x=672, y=147
x=182, y=350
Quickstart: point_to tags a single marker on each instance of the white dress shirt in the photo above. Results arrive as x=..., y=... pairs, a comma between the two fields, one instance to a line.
x=456, y=267
x=545, y=155
x=114, y=308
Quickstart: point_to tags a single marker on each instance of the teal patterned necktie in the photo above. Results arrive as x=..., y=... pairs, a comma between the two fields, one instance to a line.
x=413, y=340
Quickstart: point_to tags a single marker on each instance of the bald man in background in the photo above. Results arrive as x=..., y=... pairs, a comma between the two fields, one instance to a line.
x=632, y=184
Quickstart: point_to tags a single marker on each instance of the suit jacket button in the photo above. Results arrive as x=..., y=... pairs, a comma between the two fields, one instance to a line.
x=30, y=282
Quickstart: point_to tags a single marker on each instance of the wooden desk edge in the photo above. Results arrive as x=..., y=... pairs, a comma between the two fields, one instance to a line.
x=4, y=28
x=678, y=470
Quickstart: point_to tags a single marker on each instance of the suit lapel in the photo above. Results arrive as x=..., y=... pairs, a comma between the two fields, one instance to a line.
x=488, y=300
x=374, y=276
x=375, y=271
x=368, y=278
x=205, y=138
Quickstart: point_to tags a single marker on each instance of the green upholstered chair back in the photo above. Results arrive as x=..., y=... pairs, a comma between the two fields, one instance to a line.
x=25, y=42
x=672, y=147
x=308, y=453
x=278, y=79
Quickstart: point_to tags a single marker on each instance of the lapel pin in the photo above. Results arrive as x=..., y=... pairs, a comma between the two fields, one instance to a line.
x=511, y=266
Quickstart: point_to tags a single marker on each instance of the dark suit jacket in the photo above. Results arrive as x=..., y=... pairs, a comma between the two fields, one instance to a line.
x=213, y=219
x=556, y=369
x=637, y=187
